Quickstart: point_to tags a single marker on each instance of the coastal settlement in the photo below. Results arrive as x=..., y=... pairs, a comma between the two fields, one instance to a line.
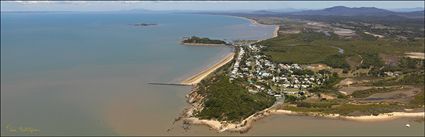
x=311, y=70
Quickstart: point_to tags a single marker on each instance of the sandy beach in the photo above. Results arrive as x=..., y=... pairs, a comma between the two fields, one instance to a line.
x=254, y=22
x=276, y=31
x=221, y=126
x=415, y=55
x=204, y=73
x=370, y=118
x=201, y=44
x=247, y=123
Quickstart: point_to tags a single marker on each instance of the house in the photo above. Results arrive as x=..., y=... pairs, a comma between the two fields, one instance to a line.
x=278, y=96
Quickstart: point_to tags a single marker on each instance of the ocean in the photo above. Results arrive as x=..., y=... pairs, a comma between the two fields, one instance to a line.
x=86, y=73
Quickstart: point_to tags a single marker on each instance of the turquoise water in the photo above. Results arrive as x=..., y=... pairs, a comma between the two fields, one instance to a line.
x=86, y=73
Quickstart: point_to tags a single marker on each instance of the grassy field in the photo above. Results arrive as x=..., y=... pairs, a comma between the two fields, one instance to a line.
x=314, y=47
x=418, y=100
x=368, y=92
x=298, y=48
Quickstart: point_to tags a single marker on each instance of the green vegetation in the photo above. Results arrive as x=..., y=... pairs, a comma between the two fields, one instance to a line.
x=297, y=49
x=418, y=100
x=268, y=20
x=399, y=26
x=328, y=86
x=371, y=59
x=199, y=40
x=368, y=92
x=348, y=109
x=336, y=61
x=303, y=72
x=414, y=78
x=354, y=61
x=381, y=60
x=319, y=104
x=227, y=101
x=314, y=47
x=409, y=64
x=290, y=99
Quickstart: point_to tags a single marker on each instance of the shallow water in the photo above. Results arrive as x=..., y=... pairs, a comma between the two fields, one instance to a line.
x=87, y=73
x=284, y=125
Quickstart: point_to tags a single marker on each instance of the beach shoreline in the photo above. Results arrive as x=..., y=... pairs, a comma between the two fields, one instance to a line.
x=362, y=118
x=247, y=123
x=194, y=79
x=254, y=22
x=201, y=44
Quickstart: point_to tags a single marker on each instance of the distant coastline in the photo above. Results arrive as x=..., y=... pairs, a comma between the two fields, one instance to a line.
x=256, y=23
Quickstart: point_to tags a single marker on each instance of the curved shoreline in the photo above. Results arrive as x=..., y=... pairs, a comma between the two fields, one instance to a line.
x=247, y=123
x=204, y=73
x=363, y=118
x=202, y=44
x=254, y=22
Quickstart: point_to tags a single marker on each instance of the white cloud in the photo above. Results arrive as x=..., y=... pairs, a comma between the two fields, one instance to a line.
x=31, y=2
x=131, y=2
x=48, y=2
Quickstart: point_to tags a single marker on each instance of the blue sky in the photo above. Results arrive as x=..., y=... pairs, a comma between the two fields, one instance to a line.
x=196, y=5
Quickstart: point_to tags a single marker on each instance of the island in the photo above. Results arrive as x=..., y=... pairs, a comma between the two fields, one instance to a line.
x=199, y=41
x=332, y=66
x=144, y=24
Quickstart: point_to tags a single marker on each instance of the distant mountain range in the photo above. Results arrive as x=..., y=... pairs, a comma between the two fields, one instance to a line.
x=361, y=11
x=412, y=19
x=408, y=9
x=337, y=11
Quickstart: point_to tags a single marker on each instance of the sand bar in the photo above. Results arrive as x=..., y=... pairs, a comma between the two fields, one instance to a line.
x=415, y=55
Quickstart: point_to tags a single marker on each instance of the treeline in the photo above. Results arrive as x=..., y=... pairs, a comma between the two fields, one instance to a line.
x=227, y=101
x=195, y=39
x=337, y=61
x=371, y=59
x=328, y=85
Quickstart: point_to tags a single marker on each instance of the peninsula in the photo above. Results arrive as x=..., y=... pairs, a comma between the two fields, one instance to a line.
x=332, y=68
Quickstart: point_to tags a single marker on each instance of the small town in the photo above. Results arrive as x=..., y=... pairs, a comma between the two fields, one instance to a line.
x=275, y=79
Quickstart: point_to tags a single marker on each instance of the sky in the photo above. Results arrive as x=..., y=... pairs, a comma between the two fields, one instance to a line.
x=196, y=5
